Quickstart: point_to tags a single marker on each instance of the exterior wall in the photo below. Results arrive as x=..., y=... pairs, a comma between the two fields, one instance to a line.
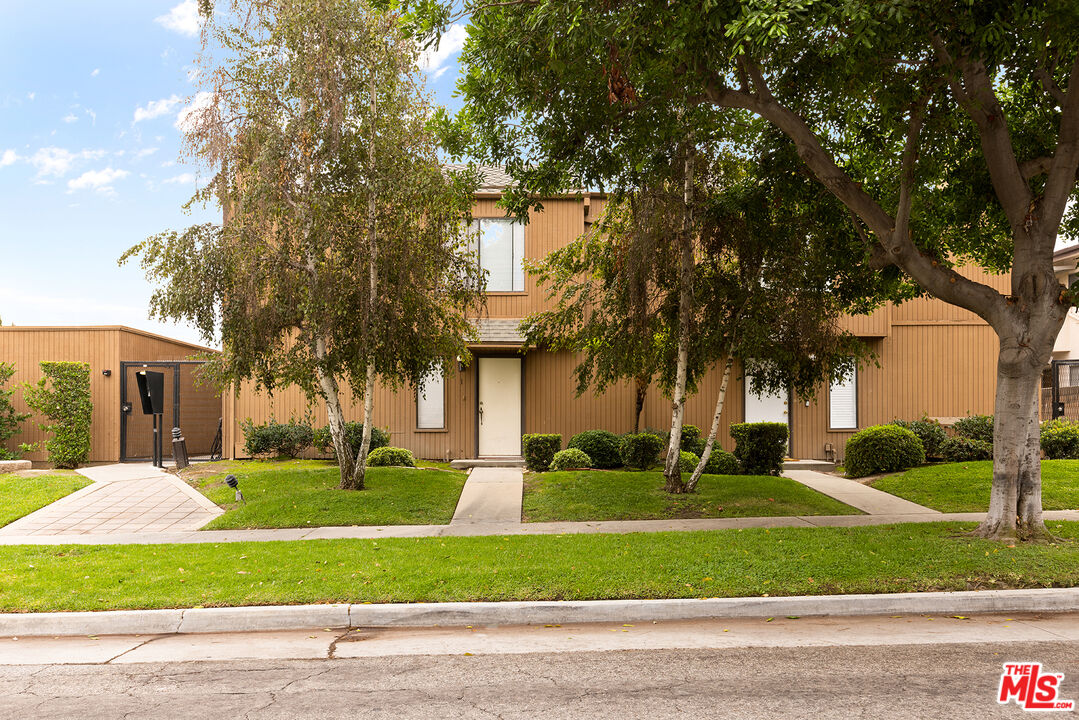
x=102, y=348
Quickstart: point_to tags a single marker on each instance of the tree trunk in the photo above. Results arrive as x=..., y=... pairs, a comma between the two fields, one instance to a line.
x=335, y=414
x=359, y=473
x=671, y=471
x=707, y=452
x=1015, y=501
x=642, y=393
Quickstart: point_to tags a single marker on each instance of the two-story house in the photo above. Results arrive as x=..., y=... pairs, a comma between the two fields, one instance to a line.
x=931, y=358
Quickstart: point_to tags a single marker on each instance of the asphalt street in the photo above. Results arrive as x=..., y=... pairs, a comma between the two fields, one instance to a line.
x=782, y=673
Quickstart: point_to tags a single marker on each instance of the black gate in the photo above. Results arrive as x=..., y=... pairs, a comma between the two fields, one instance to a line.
x=1060, y=395
x=135, y=428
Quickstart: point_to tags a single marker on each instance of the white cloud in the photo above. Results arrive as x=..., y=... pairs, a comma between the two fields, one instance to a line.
x=145, y=152
x=58, y=161
x=184, y=18
x=93, y=116
x=96, y=72
x=8, y=158
x=433, y=60
x=70, y=118
x=100, y=180
x=181, y=179
x=31, y=95
x=156, y=108
x=201, y=101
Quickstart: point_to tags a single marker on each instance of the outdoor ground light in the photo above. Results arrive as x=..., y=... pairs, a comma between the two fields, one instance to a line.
x=233, y=483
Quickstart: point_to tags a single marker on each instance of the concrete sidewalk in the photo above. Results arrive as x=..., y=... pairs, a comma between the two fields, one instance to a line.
x=855, y=494
x=123, y=499
x=490, y=495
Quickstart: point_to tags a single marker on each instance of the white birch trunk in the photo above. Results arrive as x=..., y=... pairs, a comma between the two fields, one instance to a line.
x=707, y=452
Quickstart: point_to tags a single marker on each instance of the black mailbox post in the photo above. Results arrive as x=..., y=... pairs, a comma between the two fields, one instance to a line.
x=152, y=395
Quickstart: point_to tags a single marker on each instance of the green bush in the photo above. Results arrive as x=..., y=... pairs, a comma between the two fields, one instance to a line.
x=323, y=440
x=928, y=431
x=539, y=449
x=570, y=458
x=9, y=419
x=975, y=427
x=640, y=450
x=281, y=439
x=386, y=456
x=760, y=447
x=600, y=445
x=881, y=449
x=63, y=396
x=1060, y=439
x=687, y=461
x=964, y=449
x=721, y=462
x=692, y=440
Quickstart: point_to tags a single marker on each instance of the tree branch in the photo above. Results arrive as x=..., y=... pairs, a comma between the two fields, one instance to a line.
x=1061, y=181
x=1042, y=75
x=910, y=156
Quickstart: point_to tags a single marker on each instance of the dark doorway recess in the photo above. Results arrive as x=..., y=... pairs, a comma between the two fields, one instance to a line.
x=194, y=408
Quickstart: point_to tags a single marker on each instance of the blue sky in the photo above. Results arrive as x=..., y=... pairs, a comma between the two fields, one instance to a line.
x=90, y=151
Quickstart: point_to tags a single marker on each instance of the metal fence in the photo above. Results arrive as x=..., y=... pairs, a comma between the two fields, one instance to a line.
x=1060, y=390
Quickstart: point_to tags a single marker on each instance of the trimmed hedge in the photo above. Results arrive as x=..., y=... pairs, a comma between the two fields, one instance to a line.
x=323, y=440
x=641, y=450
x=387, y=456
x=63, y=396
x=964, y=449
x=692, y=440
x=1060, y=439
x=600, y=445
x=687, y=461
x=881, y=449
x=570, y=459
x=975, y=427
x=10, y=420
x=760, y=447
x=928, y=431
x=539, y=450
x=281, y=439
x=721, y=462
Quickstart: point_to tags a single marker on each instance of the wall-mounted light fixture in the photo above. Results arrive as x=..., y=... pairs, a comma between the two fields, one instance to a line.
x=106, y=373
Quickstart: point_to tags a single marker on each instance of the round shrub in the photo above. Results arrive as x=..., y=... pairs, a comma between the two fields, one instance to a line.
x=387, y=456
x=600, y=445
x=760, y=447
x=975, y=427
x=964, y=449
x=281, y=439
x=881, y=449
x=692, y=440
x=928, y=431
x=687, y=461
x=539, y=449
x=640, y=450
x=721, y=462
x=570, y=458
x=323, y=440
x=1060, y=439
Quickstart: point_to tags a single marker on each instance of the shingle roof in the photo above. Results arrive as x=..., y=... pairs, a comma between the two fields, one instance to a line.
x=493, y=178
x=499, y=330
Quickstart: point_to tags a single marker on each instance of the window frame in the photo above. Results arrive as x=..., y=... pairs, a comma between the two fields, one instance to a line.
x=419, y=392
x=831, y=384
x=515, y=270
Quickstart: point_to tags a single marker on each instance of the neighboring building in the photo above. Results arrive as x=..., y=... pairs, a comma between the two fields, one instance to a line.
x=1061, y=382
x=1064, y=264
x=933, y=358
x=115, y=354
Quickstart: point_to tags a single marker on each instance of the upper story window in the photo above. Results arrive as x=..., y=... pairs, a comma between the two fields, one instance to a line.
x=501, y=248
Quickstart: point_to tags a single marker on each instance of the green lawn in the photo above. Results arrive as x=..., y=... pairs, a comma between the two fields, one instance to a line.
x=23, y=495
x=302, y=493
x=964, y=487
x=626, y=495
x=720, y=563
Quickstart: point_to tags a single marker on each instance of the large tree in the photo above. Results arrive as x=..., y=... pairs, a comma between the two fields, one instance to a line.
x=341, y=256
x=949, y=132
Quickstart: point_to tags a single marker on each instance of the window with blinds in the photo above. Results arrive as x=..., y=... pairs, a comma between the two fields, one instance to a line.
x=431, y=402
x=501, y=246
x=843, y=403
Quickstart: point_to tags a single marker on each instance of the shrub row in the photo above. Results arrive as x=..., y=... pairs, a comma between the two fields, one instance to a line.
x=291, y=439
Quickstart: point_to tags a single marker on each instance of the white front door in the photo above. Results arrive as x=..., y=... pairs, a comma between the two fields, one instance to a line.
x=500, y=406
x=765, y=408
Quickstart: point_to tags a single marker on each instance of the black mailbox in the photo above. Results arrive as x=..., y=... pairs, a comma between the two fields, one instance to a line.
x=151, y=391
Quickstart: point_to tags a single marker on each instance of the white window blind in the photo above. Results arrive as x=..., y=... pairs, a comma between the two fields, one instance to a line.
x=501, y=248
x=430, y=402
x=843, y=403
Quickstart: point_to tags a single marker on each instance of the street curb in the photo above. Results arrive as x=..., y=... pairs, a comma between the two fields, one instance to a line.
x=297, y=617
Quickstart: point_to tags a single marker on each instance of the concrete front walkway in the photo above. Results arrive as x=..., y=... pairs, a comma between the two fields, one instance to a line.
x=490, y=495
x=123, y=499
x=855, y=494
